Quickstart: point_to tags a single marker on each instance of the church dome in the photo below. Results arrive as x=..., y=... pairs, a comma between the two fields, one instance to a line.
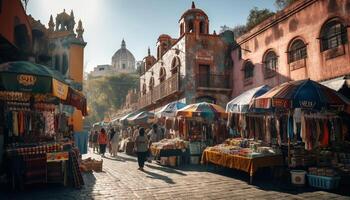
x=123, y=53
x=123, y=60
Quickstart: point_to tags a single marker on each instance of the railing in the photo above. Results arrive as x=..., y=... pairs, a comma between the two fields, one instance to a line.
x=213, y=81
x=162, y=90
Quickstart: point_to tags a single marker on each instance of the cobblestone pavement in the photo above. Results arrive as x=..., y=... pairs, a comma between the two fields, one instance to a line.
x=120, y=179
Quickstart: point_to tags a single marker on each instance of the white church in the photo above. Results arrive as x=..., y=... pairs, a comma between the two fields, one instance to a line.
x=122, y=62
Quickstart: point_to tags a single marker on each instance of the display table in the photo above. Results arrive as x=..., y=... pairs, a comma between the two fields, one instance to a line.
x=246, y=164
x=157, y=152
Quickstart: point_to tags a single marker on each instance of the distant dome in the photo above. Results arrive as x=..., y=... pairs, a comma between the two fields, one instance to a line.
x=123, y=60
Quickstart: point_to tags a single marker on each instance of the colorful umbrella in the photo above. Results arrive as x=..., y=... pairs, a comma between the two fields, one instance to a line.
x=241, y=103
x=170, y=109
x=23, y=76
x=205, y=110
x=300, y=94
x=142, y=118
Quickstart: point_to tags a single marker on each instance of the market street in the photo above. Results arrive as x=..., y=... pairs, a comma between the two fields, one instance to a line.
x=120, y=179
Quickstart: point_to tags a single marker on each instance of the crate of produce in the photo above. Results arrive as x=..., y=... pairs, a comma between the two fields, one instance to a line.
x=323, y=182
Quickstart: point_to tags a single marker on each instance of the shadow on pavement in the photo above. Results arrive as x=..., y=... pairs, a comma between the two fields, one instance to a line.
x=166, y=169
x=159, y=176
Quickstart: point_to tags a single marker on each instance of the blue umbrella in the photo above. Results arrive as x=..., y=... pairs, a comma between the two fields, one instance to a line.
x=170, y=109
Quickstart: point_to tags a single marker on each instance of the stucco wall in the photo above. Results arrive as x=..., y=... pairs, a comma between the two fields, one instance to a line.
x=302, y=20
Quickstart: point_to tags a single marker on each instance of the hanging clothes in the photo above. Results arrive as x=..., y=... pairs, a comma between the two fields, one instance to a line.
x=15, y=123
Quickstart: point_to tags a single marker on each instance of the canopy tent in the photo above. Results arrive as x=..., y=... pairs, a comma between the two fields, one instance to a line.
x=123, y=120
x=23, y=76
x=337, y=83
x=27, y=77
x=241, y=103
x=170, y=109
x=205, y=110
x=301, y=94
x=142, y=118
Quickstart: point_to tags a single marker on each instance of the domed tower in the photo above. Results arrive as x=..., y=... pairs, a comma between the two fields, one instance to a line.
x=164, y=42
x=148, y=61
x=194, y=20
x=123, y=61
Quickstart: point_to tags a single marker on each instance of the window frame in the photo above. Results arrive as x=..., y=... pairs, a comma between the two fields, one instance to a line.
x=248, y=65
x=270, y=63
x=332, y=36
x=298, y=53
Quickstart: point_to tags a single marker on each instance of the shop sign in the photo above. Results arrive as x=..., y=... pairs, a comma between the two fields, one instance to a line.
x=282, y=103
x=26, y=80
x=60, y=89
x=307, y=104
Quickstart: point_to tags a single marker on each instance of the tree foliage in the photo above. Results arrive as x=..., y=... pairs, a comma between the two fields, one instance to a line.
x=281, y=4
x=256, y=16
x=107, y=94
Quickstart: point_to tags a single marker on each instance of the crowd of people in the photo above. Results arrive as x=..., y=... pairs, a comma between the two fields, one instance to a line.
x=112, y=139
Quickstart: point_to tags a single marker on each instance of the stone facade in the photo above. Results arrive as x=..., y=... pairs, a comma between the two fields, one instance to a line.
x=102, y=70
x=308, y=39
x=190, y=68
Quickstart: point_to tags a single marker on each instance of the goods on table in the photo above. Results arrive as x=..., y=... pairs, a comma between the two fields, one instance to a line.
x=244, y=147
x=175, y=143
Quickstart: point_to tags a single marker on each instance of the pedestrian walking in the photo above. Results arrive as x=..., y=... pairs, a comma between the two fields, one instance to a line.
x=114, y=141
x=141, y=147
x=103, y=141
x=95, y=142
x=110, y=137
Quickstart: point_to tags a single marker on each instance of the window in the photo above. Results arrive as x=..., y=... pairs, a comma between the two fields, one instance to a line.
x=144, y=89
x=162, y=74
x=333, y=34
x=181, y=28
x=123, y=65
x=190, y=27
x=297, y=51
x=101, y=69
x=270, y=64
x=175, y=64
x=151, y=83
x=202, y=27
x=248, y=70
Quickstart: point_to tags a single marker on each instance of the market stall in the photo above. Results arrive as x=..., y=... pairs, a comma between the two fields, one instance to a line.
x=243, y=154
x=169, y=151
x=143, y=118
x=310, y=118
x=33, y=128
x=202, y=124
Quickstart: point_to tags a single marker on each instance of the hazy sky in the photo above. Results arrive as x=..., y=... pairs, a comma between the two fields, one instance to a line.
x=139, y=22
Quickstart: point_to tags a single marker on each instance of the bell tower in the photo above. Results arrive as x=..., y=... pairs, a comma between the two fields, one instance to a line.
x=194, y=20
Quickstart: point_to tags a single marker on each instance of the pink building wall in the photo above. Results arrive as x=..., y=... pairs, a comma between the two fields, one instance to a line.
x=304, y=20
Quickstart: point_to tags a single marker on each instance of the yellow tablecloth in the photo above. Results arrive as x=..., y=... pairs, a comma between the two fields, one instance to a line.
x=249, y=165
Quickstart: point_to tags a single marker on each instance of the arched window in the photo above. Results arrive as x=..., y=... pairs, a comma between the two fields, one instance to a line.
x=333, y=34
x=162, y=74
x=144, y=89
x=151, y=83
x=181, y=28
x=202, y=27
x=248, y=70
x=270, y=64
x=190, y=27
x=297, y=51
x=175, y=65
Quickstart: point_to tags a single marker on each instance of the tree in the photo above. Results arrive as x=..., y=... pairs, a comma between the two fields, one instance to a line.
x=239, y=30
x=107, y=94
x=257, y=16
x=281, y=4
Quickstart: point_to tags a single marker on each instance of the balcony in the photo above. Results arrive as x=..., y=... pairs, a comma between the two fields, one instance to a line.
x=166, y=88
x=213, y=82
